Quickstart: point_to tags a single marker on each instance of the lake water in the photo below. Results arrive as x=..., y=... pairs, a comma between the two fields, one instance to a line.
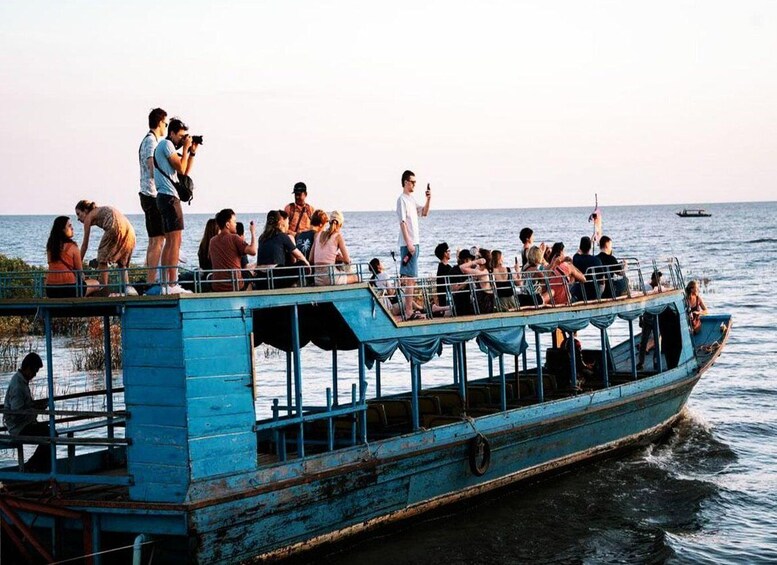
x=706, y=495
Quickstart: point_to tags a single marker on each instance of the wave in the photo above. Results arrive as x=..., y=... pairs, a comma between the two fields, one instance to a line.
x=763, y=240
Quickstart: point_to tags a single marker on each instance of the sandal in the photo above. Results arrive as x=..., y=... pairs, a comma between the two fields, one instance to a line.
x=417, y=316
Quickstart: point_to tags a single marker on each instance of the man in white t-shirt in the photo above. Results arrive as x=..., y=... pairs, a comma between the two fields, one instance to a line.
x=409, y=238
x=157, y=124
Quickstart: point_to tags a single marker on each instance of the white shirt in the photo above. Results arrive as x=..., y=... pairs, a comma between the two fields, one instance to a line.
x=147, y=147
x=407, y=211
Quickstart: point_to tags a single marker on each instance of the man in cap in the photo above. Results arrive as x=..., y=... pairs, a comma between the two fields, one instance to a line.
x=299, y=211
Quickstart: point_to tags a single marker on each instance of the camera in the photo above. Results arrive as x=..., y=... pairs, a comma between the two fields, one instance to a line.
x=197, y=139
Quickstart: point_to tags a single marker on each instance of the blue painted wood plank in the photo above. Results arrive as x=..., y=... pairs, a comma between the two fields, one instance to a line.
x=171, y=455
x=165, y=340
x=155, y=395
x=215, y=406
x=235, y=364
x=215, y=327
x=153, y=358
x=150, y=318
x=158, y=492
x=154, y=472
x=228, y=463
x=153, y=376
x=224, y=384
x=166, y=415
x=159, y=435
x=223, y=444
x=204, y=427
x=215, y=347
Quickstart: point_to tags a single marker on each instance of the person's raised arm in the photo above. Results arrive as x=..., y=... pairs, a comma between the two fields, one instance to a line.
x=251, y=249
x=425, y=209
x=182, y=163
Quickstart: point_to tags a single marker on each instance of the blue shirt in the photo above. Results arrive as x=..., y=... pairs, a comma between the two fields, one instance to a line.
x=162, y=153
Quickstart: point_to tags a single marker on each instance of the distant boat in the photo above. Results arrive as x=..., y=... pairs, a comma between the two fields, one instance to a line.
x=694, y=213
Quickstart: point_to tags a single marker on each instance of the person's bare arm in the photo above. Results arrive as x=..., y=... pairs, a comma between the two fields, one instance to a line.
x=182, y=163
x=343, y=249
x=251, y=249
x=425, y=209
x=87, y=229
x=297, y=254
x=76, y=257
x=406, y=236
x=150, y=165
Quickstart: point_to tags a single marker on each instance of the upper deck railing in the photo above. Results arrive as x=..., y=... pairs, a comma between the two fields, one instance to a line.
x=433, y=296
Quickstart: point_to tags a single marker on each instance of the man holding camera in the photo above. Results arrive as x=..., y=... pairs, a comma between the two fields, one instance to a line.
x=168, y=165
x=157, y=124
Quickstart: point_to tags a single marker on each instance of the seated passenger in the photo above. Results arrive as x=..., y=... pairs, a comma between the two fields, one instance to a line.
x=504, y=279
x=225, y=250
x=615, y=283
x=527, y=239
x=203, y=251
x=380, y=280
x=484, y=290
x=696, y=306
x=563, y=270
x=583, y=260
x=65, y=278
x=304, y=240
x=583, y=370
x=443, y=254
x=19, y=398
x=330, y=255
x=459, y=281
x=533, y=275
x=276, y=249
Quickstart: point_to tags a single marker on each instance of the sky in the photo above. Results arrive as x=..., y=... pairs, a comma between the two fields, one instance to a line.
x=496, y=104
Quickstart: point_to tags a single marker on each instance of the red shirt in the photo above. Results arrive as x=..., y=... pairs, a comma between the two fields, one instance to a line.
x=225, y=251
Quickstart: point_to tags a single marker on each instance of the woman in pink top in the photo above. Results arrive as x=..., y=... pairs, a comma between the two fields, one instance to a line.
x=563, y=270
x=328, y=247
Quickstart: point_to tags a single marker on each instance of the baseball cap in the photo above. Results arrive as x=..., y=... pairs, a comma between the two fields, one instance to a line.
x=299, y=188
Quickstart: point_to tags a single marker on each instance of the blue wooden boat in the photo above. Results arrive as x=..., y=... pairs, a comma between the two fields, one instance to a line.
x=188, y=467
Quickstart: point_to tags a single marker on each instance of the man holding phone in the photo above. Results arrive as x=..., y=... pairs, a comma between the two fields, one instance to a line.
x=409, y=238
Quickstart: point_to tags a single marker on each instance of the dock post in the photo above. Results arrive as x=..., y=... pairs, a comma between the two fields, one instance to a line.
x=572, y=347
x=455, y=351
x=330, y=434
x=362, y=394
x=108, y=379
x=605, y=377
x=631, y=349
x=335, y=395
x=538, y=352
x=657, y=355
x=502, y=383
x=377, y=379
x=50, y=385
x=414, y=401
x=297, y=378
x=288, y=383
x=490, y=368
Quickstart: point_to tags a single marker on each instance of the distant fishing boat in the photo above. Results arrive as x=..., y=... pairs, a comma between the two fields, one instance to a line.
x=694, y=213
x=202, y=464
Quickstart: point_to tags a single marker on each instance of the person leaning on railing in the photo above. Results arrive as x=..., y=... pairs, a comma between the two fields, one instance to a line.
x=18, y=398
x=329, y=247
x=533, y=275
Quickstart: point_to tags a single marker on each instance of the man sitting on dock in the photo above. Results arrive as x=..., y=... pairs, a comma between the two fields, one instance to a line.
x=18, y=398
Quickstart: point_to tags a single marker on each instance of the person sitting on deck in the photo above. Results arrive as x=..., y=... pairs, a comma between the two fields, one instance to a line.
x=19, y=398
x=583, y=370
x=380, y=280
x=527, y=239
x=203, y=251
x=277, y=249
x=533, y=275
x=696, y=306
x=583, y=260
x=504, y=279
x=648, y=322
x=330, y=255
x=304, y=240
x=615, y=282
x=466, y=265
x=225, y=250
x=117, y=243
x=563, y=270
x=65, y=278
x=443, y=254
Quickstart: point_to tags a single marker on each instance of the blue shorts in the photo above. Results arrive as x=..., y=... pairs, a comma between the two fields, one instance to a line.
x=409, y=269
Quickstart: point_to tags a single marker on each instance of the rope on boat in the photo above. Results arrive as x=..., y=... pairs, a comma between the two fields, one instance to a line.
x=708, y=347
x=81, y=557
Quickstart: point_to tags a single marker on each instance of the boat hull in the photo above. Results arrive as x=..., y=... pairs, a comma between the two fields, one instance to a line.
x=402, y=477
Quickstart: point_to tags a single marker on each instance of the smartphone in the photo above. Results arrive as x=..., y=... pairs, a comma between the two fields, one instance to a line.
x=428, y=189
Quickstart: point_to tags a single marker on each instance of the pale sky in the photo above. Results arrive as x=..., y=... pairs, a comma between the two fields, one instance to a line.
x=497, y=104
